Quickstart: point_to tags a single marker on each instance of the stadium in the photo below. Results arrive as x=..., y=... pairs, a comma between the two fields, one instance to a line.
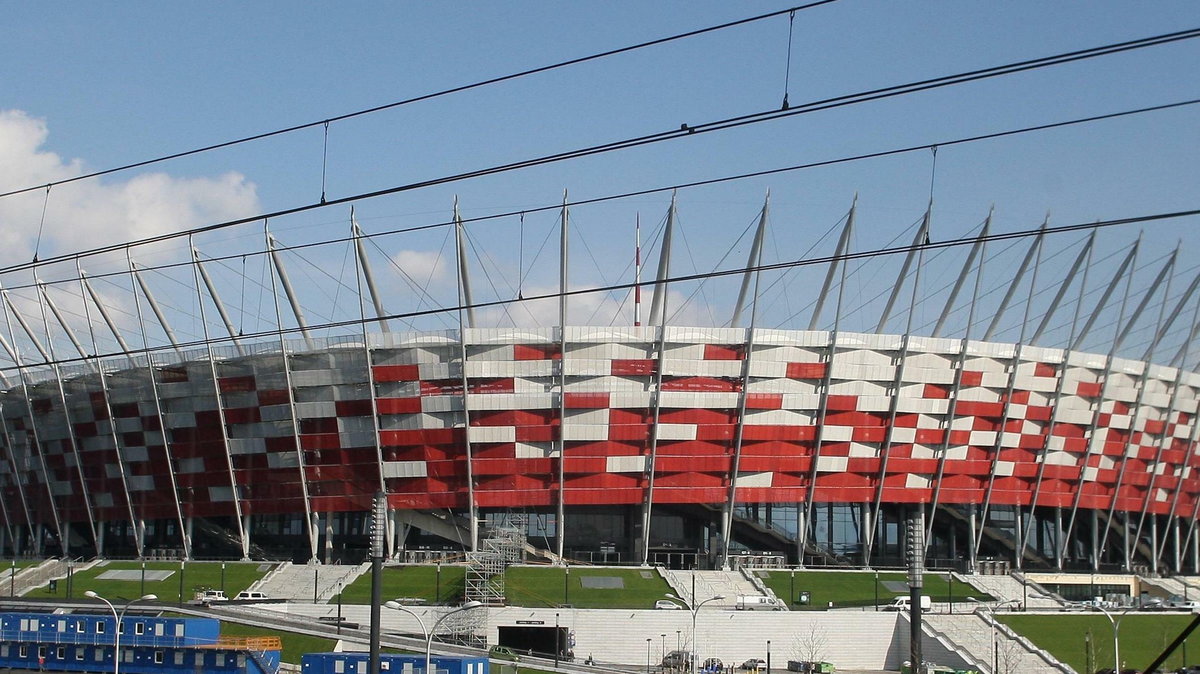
x=644, y=441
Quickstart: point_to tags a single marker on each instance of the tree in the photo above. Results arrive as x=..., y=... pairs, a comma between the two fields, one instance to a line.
x=810, y=644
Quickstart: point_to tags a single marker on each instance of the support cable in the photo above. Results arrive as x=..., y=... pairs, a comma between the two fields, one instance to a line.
x=788, y=264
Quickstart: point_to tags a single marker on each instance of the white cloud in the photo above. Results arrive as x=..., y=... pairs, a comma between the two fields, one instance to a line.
x=98, y=211
x=421, y=266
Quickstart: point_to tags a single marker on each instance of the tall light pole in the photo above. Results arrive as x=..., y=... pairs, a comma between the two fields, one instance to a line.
x=1116, y=625
x=118, y=617
x=694, y=609
x=647, y=655
x=430, y=632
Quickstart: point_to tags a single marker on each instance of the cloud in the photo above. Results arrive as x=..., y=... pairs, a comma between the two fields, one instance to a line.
x=98, y=211
x=592, y=308
x=421, y=266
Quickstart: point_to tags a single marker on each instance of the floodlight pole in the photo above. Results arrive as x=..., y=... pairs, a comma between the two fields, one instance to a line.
x=378, y=534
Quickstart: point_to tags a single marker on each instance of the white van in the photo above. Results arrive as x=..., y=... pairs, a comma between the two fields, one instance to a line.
x=756, y=602
x=248, y=595
x=905, y=603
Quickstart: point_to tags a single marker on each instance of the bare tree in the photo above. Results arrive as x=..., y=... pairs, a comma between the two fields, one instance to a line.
x=1009, y=656
x=809, y=645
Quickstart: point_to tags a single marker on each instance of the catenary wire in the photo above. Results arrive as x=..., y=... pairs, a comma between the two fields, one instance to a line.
x=418, y=99
x=683, y=131
x=582, y=202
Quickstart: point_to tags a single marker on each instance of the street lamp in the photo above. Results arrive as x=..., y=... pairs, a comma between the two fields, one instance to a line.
x=876, y=590
x=694, y=609
x=1116, y=625
x=991, y=619
x=118, y=617
x=429, y=633
x=647, y=655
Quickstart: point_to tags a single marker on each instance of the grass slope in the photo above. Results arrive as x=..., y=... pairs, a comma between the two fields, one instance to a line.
x=553, y=586
x=195, y=576
x=421, y=582
x=1070, y=637
x=852, y=588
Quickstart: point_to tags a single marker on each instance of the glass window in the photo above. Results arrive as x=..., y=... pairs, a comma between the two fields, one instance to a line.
x=61, y=652
x=158, y=657
x=23, y=651
x=101, y=627
x=139, y=628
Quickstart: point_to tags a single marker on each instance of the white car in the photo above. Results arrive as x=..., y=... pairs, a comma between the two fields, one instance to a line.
x=754, y=664
x=666, y=605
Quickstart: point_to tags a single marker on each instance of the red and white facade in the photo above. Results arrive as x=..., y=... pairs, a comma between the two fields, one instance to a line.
x=633, y=416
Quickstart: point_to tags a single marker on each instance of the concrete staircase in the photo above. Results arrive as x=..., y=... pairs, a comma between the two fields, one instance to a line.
x=315, y=583
x=1008, y=589
x=1175, y=586
x=728, y=584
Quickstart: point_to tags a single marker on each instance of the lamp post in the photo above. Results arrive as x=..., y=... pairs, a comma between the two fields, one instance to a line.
x=566, y=585
x=557, y=643
x=678, y=646
x=1116, y=625
x=768, y=656
x=339, y=616
x=118, y=617
x=991, y=611
x=647, y=655
x=694, y=609
x=664, y=645
x=430, y=632
x=950, y=589
x=876, y=590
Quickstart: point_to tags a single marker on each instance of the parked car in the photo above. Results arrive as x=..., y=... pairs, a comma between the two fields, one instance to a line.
x=754, y=664
x=503, y=653
x=207, y=597
x=250, y=595
x=677, y=659
x=666, y=605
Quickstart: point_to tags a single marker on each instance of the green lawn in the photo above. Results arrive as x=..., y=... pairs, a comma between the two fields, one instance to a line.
x=421, y=582
x=1143, y=637
x=195, y=576
x=552, y=586
x=849, y=588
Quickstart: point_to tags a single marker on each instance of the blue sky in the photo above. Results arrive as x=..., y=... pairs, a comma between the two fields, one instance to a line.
x=88, y=86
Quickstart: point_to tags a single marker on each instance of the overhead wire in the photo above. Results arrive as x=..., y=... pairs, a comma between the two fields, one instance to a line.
x=686, y=130
x=424, y=97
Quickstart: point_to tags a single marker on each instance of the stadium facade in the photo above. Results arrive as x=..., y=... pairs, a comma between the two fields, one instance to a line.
x=648, y=443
